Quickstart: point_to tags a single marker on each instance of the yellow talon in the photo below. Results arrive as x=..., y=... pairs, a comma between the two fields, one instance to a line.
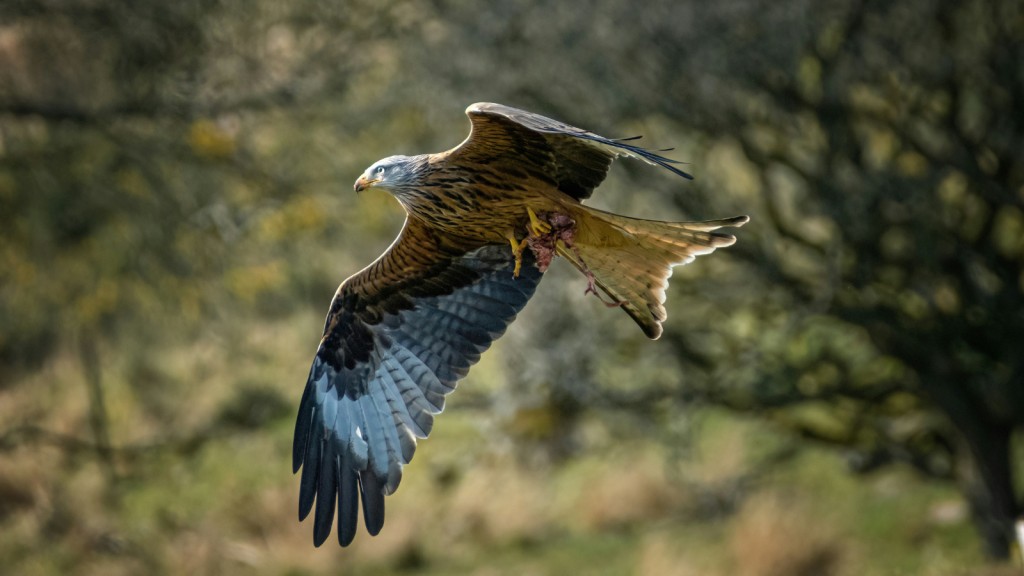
x=538, y=227
x=517, y=250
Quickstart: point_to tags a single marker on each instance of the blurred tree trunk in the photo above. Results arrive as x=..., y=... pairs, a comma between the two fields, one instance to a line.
x=984, y=471
x=98, y=420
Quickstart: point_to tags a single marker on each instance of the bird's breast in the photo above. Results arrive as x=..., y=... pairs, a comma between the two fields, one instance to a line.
x=481, y=205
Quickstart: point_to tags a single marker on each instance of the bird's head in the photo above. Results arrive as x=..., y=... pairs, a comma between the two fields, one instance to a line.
x=391, y=173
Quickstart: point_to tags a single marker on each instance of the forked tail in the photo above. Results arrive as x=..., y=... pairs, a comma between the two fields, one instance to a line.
x=632, y=259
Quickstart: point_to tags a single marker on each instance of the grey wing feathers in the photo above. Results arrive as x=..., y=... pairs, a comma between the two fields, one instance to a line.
x=357, y=424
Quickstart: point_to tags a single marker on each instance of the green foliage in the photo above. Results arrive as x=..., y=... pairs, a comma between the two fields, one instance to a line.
x=175, y=188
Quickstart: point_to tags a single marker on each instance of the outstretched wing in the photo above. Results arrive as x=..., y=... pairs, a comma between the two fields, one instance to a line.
x=516, y=141
x=398, y=337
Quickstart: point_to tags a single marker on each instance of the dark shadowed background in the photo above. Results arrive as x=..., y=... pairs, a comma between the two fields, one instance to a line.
x=840, y=393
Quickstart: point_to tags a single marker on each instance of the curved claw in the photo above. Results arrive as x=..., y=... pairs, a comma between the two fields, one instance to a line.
x=517, y=251
x=592, y=287
x=537, y=226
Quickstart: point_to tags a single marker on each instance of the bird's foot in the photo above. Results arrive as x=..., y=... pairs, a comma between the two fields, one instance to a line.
x=592, y=282
x=537, y=226
x=544, y=231
x=517, y=251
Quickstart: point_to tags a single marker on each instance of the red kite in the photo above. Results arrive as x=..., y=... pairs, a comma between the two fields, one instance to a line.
x=484, y=220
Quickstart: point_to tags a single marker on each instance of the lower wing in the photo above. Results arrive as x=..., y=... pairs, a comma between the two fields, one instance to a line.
x=388, y=358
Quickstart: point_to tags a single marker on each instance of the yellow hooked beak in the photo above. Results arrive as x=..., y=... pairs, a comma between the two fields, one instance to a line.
x=362, y=183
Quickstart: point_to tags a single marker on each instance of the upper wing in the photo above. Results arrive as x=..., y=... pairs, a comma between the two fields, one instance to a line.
x=576, y=160
x=399, y=335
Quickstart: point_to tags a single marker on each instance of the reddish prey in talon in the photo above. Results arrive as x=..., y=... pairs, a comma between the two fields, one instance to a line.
x=544, y=244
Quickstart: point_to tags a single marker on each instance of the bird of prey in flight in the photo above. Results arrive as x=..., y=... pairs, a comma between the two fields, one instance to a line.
x=484, y=220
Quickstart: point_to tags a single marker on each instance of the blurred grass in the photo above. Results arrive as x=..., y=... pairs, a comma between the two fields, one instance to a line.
x=181, y=195
x=490, y=492
x=470, y=503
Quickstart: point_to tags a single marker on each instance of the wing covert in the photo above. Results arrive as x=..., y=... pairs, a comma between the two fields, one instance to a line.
x=575, y=159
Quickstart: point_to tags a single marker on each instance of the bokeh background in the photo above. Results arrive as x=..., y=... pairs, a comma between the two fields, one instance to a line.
x=840, y=393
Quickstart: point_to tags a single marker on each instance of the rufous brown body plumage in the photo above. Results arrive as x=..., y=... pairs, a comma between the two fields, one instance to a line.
x=403, y=331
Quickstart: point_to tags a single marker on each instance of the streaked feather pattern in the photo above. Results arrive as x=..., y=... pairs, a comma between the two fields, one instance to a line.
x=402, y=332
x=519, y=142
x=375, y=389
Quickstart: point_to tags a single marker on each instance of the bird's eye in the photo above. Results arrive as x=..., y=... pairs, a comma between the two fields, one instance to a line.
x=380, y=170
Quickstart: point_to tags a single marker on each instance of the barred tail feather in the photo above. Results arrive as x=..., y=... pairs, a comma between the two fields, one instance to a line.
x=632, y=259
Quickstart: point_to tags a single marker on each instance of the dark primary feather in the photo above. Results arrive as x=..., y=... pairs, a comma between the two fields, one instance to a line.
x=392, y=349
x=577, y=161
